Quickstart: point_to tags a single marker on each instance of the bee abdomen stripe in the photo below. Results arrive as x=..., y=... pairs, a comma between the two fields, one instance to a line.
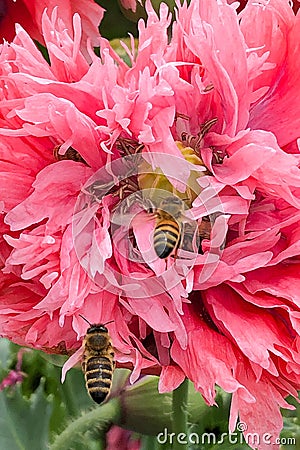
x=161, y=239
x=166, y=231
x=96, y=374
x=95, y=361
x=168, y=226
x=98, y=365
x=163, y=251
x=97, y=384
x=99, y=359
x=161, y=234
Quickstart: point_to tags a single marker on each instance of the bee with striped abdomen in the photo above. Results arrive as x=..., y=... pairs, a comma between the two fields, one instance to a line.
x=173, y=229
x=168, y=228
x=97, y=361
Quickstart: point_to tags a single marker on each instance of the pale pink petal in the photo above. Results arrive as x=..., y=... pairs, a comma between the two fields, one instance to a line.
x=74, y=359
x=49, y=198
x=90, y=12
x=170, y=378
x=280, y=103
x=245, y=323
x=262, y=417
x=218, y=371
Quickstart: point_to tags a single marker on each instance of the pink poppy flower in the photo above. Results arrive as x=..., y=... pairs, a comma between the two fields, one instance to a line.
x=77, y=238
x=28, y=13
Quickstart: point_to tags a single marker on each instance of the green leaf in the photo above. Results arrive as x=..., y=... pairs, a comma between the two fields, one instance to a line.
x=24, y=423
x=114, y=24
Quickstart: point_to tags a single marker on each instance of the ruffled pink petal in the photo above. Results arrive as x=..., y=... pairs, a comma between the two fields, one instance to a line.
x=45, y=262
x=90, y=12
x=74, y=359
x=130, y=4
x=271, y=113
x=216, y=39
x=267, y=39
x=214, y=354
x=246, y=323
x=261, y=418
x=279, y=281
x=48, y=200
x=67, y=62
x=170, y=378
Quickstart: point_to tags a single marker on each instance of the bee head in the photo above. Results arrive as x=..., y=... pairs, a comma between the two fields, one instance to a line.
x=172, y=205
x=97, y=328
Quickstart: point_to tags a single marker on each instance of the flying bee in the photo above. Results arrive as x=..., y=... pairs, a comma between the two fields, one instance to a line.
x=97, y=361
x=168, y=227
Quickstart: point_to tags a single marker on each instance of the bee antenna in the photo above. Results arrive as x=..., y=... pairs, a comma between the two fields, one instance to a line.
x=106, y=323
x=85, y=319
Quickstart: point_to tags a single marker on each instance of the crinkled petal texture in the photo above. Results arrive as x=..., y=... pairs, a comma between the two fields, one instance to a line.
x=215, y=106
x=28, y=13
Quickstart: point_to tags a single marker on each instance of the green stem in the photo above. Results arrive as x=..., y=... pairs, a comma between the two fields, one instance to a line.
x=180, y=416
x=98, y=419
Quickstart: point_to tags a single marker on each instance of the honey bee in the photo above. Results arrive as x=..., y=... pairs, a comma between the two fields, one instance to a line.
x=170, y=231
x=168, y=227
x=97, y=361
